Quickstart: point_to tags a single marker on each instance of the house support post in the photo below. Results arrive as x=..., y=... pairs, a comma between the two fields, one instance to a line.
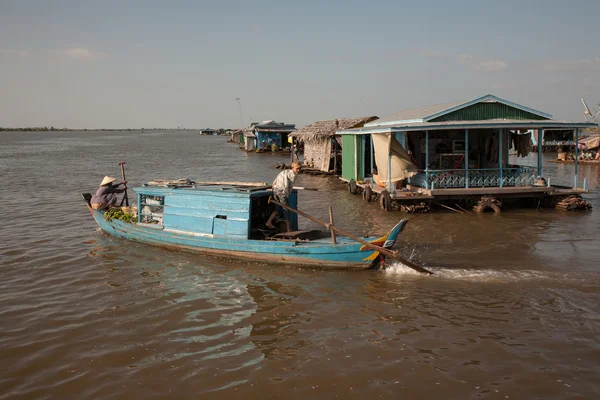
x=576, y=156
x=466, y=158
x=426, y=159
x=372, y=155
x=389, y=171
x=356, y=157
x=334, y=149
x=500, y=156
x=540, y=148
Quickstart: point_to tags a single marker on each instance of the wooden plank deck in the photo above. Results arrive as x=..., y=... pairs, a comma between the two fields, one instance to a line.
x=515, y=191
x=512, y=191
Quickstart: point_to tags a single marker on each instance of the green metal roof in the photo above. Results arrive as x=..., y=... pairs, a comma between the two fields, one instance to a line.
x=483, y=108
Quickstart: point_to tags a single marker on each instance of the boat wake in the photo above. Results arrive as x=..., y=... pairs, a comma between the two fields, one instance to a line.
x=482, y=275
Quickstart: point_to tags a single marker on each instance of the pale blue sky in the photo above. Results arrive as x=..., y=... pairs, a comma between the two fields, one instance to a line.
x=131, y=64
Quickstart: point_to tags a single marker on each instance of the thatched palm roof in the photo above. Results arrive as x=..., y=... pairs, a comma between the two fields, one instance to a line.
x=327, y=128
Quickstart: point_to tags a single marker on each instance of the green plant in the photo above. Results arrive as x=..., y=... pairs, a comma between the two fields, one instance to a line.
x=116, y=213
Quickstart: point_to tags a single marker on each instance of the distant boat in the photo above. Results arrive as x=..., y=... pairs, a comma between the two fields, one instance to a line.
x=229, y=220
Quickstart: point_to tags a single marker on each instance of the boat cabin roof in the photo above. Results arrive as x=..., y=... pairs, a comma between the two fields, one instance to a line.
x=163, y=187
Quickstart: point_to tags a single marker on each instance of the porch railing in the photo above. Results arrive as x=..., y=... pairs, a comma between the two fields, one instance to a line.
x=486, y=177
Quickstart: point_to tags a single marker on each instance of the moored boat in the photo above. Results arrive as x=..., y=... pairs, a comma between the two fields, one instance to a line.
x=228, y=219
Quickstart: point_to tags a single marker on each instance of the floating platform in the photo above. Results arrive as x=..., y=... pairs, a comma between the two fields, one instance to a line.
x=480, y=199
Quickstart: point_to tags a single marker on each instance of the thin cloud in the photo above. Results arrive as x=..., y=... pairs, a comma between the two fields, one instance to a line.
x=570, y=65
x=15, y=52
x=431, y=53
x=79, y=53
x=482, y=65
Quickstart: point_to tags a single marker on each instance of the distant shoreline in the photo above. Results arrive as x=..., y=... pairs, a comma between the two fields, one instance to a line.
x=52, y=129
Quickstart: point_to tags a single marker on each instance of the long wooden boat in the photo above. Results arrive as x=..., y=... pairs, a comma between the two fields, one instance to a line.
x=229, y=220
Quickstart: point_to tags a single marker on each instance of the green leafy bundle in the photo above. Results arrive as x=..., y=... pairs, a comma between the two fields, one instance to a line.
x=116, y=213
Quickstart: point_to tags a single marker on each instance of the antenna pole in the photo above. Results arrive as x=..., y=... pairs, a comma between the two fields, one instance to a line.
x=240, y=107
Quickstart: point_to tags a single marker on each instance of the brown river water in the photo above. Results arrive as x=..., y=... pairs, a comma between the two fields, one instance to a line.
x=512, y=311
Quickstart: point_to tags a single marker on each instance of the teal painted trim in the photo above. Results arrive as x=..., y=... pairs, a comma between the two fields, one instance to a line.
x=500, y=154
x=539, y=149
x=467, y=157
x=545, y=124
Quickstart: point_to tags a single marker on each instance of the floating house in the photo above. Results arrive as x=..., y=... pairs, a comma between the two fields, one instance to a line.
x=454, y=150
x=249, y=143
x=268, y=132
x=322, y=147
x=237, y=136
x=209, y=132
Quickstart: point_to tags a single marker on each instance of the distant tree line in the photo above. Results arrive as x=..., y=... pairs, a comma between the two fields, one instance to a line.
x=33, y=129
x=51, y=128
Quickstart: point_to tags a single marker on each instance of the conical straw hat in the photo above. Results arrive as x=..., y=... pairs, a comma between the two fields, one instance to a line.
x=107, y=180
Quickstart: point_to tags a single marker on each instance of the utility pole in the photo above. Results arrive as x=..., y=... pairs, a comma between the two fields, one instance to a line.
x=240, y=107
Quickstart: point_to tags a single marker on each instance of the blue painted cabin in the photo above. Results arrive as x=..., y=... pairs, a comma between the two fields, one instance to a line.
x=215, y=210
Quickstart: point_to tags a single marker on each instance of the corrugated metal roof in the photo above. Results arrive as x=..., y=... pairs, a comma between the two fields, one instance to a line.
x=417, y=113
x=430, y=112
x=487, y=124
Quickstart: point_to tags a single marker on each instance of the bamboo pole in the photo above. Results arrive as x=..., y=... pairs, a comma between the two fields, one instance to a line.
x=467, y=211
x=257, y=184
x=449, y=208
x=386, y=252
x=331, y=226
x=125, y=198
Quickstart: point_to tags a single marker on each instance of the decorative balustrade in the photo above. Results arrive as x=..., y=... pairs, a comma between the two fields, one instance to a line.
x=487, y=177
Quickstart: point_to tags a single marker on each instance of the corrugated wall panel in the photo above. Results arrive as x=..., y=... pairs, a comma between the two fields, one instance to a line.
x=485, y=111
x=361, y=157
x=197, y=211
x=348, y=150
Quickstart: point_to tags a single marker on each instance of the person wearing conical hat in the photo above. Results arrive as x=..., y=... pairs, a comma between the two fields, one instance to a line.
x=106, y=195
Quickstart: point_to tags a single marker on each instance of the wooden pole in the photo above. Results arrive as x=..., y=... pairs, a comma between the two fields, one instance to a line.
x=257, y=184
x=386, y=252
x=122, y=164
x=334, y=141
x=449, y=208
x=331, y=226
x=459, y=207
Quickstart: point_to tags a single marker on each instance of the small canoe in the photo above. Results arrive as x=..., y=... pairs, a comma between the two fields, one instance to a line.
x=229, y=221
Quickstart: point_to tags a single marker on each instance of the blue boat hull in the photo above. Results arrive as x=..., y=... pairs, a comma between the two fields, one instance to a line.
x=346, y=254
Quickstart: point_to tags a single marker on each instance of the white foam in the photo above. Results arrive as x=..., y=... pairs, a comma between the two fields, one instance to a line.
x=483, y=275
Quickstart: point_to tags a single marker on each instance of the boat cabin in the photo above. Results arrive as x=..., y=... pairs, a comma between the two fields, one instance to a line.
x=235, y=211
